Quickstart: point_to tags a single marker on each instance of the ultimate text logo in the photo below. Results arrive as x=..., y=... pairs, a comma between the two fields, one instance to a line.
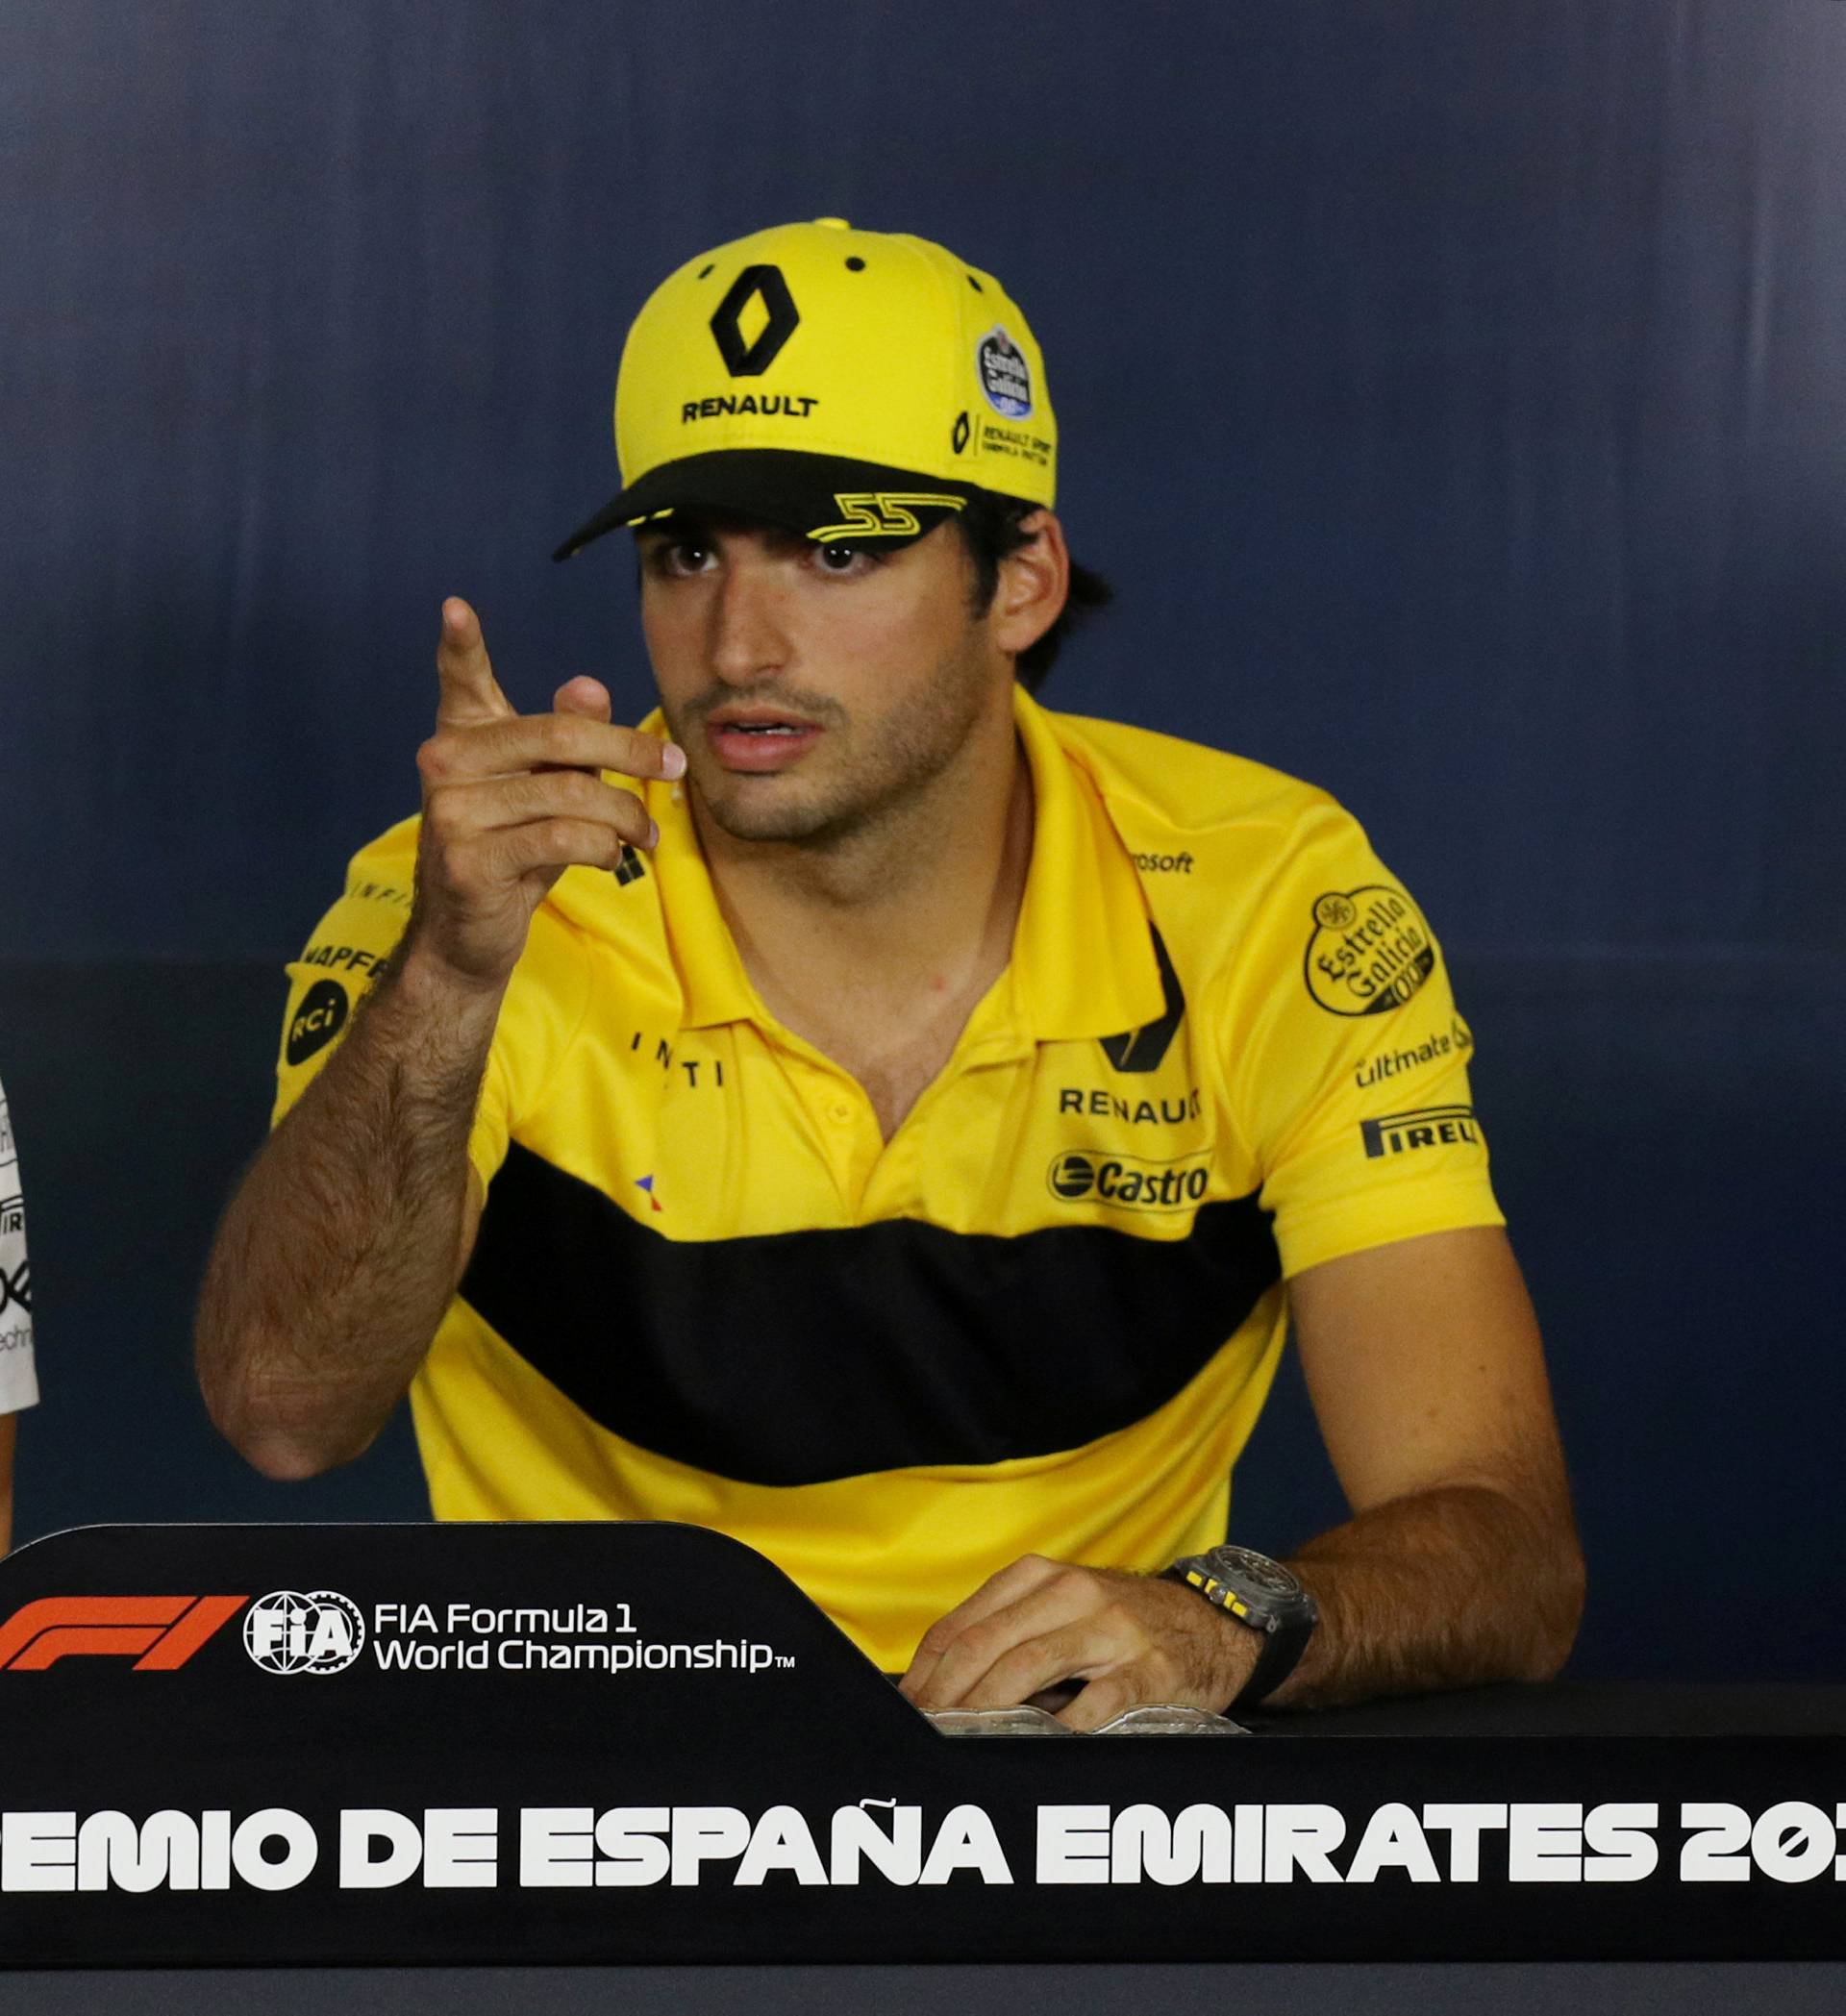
x=157, y=1632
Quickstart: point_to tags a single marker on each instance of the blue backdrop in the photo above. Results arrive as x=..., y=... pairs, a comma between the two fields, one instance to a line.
x=1453, y=392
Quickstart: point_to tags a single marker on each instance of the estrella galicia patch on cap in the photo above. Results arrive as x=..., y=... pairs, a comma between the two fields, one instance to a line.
x=1005, y=378
x=318, y=1021
x=1369, y=951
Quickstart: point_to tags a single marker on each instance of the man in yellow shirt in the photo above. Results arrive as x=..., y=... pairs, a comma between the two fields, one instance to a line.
x=900, y=1130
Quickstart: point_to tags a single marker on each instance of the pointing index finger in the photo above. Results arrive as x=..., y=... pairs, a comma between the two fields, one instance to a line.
x=470, y=693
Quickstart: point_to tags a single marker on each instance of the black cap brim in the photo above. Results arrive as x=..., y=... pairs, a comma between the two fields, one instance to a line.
x=820, y=496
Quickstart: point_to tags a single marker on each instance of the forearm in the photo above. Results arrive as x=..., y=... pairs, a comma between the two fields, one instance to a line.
x=341, y=1250
x=1453, y=1587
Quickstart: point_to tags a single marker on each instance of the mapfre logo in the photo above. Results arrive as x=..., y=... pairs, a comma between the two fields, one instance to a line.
x=157, y=1632
x=289, y=1632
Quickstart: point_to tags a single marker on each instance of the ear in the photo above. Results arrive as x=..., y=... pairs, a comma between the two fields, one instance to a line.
x=1033, y=585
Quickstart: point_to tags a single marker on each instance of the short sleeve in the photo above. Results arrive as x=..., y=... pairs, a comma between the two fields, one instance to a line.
x=19, y=1370
x=350, y=950
x=1349, y=1059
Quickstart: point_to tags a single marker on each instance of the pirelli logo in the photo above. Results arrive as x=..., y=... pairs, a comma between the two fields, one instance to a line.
x=157, y=1632
x=1422, y=1126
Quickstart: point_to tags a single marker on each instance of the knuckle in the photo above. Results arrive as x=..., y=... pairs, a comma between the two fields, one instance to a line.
x=1016, y=1672
x=433, y=756
x=535, y=796
x=984, y=1641
x=574, y=792
x=558, y=738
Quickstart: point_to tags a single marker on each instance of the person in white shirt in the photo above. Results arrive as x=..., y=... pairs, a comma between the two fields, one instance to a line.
x=19, y=1374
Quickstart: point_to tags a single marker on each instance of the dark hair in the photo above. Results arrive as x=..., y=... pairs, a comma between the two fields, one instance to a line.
x=990, y=530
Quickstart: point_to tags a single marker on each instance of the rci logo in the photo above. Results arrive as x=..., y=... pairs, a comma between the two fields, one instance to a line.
x=1129, y=1182
x=157, y=1632
x=319, y=1633
x=318, y=1021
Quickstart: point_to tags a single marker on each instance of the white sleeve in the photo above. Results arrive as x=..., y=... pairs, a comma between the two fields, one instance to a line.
x=18, y=1376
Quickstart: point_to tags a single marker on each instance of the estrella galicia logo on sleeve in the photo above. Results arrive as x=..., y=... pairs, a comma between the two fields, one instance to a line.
x=318, y=1021
x=1370, y=950
x=1421, y=1127
x=1005, y=378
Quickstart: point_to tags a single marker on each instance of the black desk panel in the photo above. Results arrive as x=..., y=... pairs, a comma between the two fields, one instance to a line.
x=635, y=1745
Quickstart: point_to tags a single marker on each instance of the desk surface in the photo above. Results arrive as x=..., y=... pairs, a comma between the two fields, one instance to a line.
x=1459, y=1988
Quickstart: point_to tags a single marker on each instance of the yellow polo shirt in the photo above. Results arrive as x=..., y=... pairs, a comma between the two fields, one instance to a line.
x=1042, y=1318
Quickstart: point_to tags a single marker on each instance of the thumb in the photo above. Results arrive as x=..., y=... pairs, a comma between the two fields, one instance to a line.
x=582, y=696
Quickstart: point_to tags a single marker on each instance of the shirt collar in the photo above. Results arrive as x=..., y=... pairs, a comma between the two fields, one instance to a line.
x=1082, y=955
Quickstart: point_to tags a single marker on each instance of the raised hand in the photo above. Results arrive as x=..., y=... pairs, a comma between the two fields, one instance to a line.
x=511, y=801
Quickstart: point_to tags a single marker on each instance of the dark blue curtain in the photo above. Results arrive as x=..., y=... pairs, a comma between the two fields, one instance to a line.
x=1454, y=393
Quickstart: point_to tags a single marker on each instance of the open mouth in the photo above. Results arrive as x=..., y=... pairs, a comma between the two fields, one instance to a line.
x=758, y=742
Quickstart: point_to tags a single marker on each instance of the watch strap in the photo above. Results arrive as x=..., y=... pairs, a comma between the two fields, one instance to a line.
x=1285, y=1627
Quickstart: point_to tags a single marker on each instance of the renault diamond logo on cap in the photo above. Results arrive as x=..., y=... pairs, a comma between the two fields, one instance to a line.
x=760, y=302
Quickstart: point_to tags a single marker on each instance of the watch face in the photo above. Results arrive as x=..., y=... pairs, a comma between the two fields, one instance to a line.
x=1256, y=1571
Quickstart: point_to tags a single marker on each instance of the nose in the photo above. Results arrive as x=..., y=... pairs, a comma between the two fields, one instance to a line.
x=747, y=640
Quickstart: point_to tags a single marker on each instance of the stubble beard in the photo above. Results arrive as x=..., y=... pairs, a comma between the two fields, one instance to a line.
x=884, y=782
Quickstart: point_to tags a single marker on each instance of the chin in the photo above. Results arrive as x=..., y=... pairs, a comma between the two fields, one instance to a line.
x=747, y=811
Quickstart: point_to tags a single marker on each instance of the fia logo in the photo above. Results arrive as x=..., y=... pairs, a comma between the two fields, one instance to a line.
x=289, y=1632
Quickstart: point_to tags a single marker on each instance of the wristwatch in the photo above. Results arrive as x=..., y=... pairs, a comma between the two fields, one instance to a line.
x=1261, y=1594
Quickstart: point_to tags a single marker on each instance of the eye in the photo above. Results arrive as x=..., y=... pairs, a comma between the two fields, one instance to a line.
x=841, y=557
x=679, y=557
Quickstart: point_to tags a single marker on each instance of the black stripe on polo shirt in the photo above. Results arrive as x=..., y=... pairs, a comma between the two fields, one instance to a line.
x=797, y=1358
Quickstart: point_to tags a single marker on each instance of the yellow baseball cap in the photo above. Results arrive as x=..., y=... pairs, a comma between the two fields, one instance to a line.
x=844, y=383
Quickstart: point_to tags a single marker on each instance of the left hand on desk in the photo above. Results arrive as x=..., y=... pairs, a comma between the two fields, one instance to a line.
x=1041, y=1625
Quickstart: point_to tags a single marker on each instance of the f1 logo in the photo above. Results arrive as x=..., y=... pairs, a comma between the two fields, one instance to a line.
x=158, y=1632
x=774, y=321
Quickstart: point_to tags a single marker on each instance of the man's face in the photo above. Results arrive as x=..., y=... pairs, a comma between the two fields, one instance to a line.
x=815, y=689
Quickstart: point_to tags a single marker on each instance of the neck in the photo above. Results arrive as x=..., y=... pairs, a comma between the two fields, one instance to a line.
x=917, y=905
